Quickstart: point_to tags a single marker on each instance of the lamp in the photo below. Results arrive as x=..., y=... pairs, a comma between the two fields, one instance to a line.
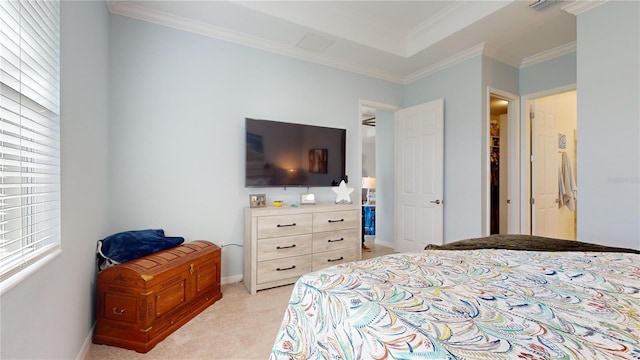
x=369, y=183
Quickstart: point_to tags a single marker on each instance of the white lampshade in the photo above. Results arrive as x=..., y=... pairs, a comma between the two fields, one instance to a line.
x=368, y=182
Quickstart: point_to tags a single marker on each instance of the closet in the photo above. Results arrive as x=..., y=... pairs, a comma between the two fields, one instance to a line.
x=497, y=165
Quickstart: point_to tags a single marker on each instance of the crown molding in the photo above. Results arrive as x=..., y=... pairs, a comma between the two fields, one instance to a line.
x=580, y=6
x=433, y=30
x=180, y=23
x=450, y=61
x=449, y=21
x=133, y=11
x=549, y=54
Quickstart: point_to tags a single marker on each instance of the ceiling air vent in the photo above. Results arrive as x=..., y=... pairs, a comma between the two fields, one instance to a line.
x=313, y=42
x=540, y=5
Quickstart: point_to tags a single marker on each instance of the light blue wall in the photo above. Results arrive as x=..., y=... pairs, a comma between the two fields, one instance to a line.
x=461, y=88
x=369, y=159
x=385, y=177
x=551, y=74
x=50, y=314
x=178, y=103
x=499, y=75
x=608, y=78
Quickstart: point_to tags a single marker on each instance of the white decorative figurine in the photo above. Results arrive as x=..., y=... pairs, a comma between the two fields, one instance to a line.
x=343, y=193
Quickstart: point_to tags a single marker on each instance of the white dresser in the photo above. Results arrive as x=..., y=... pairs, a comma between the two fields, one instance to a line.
x=281, y=244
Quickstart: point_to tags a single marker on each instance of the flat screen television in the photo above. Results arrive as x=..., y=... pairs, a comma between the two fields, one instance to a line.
x=282, y=154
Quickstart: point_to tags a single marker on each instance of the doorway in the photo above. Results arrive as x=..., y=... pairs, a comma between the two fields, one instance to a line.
x=553, y=172
x=377, y=157
x=388, y=227
x=502, y=211
x=498, y=151
x=368, y=196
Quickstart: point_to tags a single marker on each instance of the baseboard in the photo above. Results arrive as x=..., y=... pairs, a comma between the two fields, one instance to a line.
x=384, y=243
x=84, y=351
x=230, y=279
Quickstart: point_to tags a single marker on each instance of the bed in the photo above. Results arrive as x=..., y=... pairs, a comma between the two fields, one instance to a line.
x=499, y=297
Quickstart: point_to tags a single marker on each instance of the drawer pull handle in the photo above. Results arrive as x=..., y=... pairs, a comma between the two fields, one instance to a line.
x=284, y=269
x=336, y=240
x=338, y=259
x=119, y=313
x=286, y=225
x=285, y=247
x=332, y=221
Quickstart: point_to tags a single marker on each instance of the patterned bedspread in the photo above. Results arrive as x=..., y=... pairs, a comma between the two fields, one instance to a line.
x=467, y=304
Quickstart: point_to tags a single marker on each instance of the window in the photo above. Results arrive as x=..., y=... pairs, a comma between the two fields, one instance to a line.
x=29, y=135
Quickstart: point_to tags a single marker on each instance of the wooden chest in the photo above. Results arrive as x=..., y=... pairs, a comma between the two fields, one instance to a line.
x=141, y=302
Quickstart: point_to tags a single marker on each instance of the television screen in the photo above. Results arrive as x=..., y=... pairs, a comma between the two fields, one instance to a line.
x=281, y=154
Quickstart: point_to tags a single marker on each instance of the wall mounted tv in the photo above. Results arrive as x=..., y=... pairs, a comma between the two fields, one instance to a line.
x=281, y=154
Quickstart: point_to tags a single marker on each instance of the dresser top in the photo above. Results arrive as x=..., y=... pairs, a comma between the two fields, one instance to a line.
x=300, y=209
x=144, y=271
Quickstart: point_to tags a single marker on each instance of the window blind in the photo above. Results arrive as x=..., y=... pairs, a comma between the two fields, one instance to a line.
x=29, y=133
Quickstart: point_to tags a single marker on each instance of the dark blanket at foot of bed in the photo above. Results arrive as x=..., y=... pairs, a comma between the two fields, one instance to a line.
x=527, y=242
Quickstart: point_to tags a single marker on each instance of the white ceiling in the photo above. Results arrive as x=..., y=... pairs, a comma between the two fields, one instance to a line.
x=399, y=41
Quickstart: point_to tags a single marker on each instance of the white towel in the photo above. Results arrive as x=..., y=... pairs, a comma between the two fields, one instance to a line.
x=567, y=192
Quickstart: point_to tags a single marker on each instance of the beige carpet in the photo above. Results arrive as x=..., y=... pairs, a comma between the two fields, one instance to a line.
x=238, y=326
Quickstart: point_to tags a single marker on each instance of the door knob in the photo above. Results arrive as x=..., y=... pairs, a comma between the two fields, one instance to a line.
x=435, y=202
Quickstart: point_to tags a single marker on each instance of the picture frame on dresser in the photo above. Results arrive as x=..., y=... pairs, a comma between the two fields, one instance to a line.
x=257, y=200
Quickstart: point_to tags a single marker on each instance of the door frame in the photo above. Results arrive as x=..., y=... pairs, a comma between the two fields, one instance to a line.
x=375, y=105
x=382, y=107
x=525, y=154
x=513, y=163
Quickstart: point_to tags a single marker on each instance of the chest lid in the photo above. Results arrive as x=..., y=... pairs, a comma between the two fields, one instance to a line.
x=147, y=270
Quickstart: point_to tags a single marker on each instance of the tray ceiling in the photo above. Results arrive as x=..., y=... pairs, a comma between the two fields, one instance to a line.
x=399, y=41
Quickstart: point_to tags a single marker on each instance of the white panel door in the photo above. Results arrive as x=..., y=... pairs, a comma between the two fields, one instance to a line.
x=544, y=172
x=419, y=174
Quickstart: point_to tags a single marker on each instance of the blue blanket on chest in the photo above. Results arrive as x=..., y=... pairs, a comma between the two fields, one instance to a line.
x=129, y=245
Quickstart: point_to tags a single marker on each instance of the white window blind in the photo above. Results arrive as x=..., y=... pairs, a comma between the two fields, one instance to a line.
x=29, y=133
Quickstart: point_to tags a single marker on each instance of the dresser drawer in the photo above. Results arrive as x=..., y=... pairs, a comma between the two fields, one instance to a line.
x=334, y=240
x=284, y=225
x=282, y=244
x=330, y=258
x=277, y=248
x=335, y=220
x=274, y=270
